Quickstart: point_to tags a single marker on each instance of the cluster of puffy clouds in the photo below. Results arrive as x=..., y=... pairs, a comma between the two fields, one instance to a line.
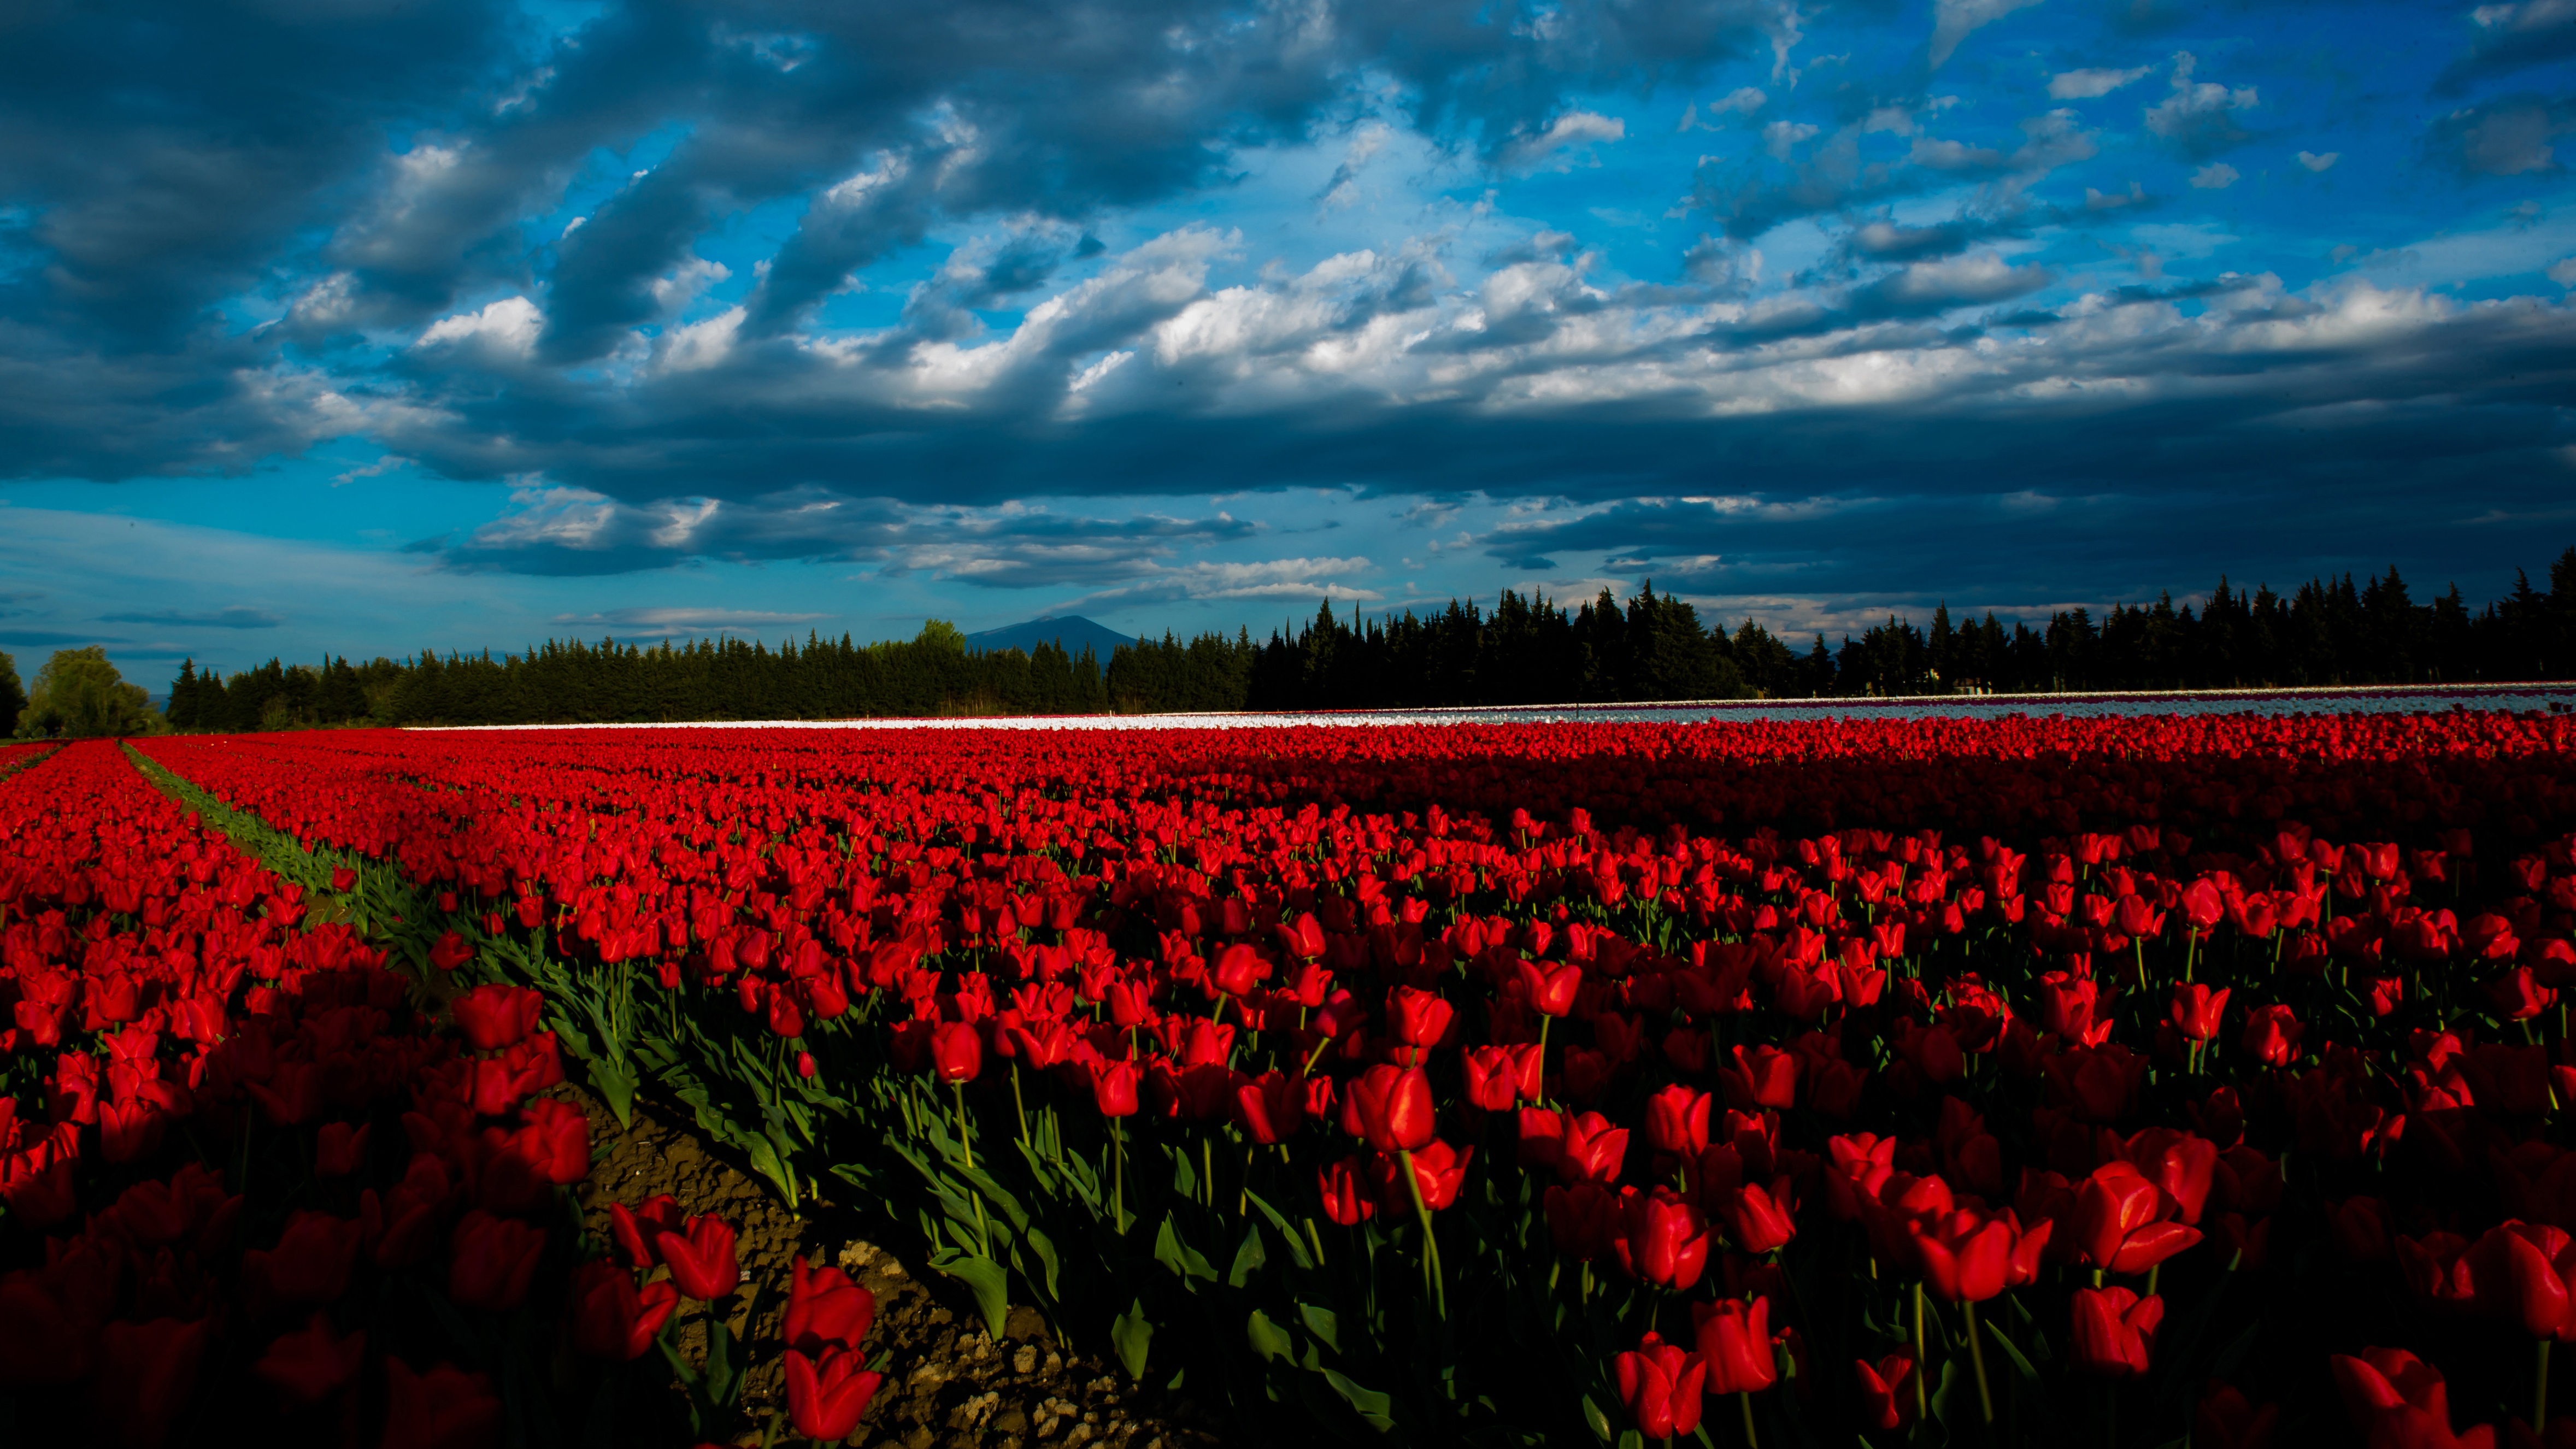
x=1916, y=300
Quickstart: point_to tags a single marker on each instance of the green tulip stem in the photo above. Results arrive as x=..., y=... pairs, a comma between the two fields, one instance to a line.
x=1751, y=1441
x=1018, y=1105
x=1977, y=1359
x=1118, y=1172
x=1922, y=1356
x=1430, y=1240
x=2540, y=1387
x=966, y=1144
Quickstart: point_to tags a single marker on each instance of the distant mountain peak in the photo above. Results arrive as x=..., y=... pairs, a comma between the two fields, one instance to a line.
x=1070, y=632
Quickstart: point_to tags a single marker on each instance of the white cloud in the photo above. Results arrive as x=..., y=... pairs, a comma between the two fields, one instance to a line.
x=702, y=345
x=378, y=468
x=1565, y=136
x=1344, y=188
x=2563, y=272
x=2315, y=162
x=2084, y=85
x=2217, y=176
x=1953, y=19
x=1781, y=137
x=682, y=287
x=2196, y=109
x=1743, y=100
x=508, y=326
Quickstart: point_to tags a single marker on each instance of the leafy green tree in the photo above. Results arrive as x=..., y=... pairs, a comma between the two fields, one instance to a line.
x=13, y=695
x=80, y=695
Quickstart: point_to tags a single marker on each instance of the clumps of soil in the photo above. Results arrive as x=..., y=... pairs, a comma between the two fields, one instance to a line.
x=948, y=1382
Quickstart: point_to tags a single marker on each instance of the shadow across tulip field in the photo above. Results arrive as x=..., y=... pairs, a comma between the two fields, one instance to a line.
x=1927, y=1081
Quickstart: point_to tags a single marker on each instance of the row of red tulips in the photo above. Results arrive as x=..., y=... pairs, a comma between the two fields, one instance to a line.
x=252, y=1184
x=2000, y=1063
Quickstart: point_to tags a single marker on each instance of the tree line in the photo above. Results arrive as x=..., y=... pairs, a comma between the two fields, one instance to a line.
x=2328, y=631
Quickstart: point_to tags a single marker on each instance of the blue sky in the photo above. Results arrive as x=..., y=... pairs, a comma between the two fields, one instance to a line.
x=466, y=323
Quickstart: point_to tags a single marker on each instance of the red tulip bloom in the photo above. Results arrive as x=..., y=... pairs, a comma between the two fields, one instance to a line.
x=1760, y=1219
x=2361, y=1228
x=2522, y=1274
x=2228, y=1420
x=1735, y=1345
x=1856, y=1167
x=312, y=1259
x=1551, y=986
x=495, y=1016
x=2197, y=1010
x=1661, y=1386
x=1585, y=1220
x=1113, y=1086
x=1677, y=1121
x=1762, y=1077
x=1418, y=1018
x=702, y=1263
x=611, y=1319
x=956, y=1051
x=1500, y=1077
x=637, y=1230
x=2114, y=1331
x=2272, y=1035
x=340, y=1149
x=1348, y=1199
x=1270, y=1107
x=146, y=1372
x=2398, y=1401
x=826, y=1398
x=312, y=1363
x=1302, y=938
x=825, y=1309
x=1580, y=1147
x=1887, y=1392
x=1238, y=969
x=1389, y=1107
x=445, y=1408
x=2121, y=1221
x=493, y=1259
x=1662, y=1240
x=1970, y=1257
x=556, y=1141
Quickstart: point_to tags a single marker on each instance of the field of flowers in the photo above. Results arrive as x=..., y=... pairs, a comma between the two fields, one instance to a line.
x=1926, y=1081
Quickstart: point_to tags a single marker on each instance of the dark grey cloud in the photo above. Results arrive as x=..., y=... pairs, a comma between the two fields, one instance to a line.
x=572, y=532
x=2512, y=37
x=2508, y=136
x=232, y=618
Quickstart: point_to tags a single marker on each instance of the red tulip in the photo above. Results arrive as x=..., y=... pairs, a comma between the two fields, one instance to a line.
x=1735, y=1345
x=956, y=1051
x=611, y=1318
x=445, y=1408
x=1347, y=1197
x=495, y=1016
x=825, y=1309
x=1500, y=1077
x=1760, y=1219
x=1418, y=1018
x=1113, y=1086
x=1389, y=1107
x=146, y=1373
x=1969, y=1257
x=2521, y=1274
x=637, y=1230
x=1270, y=1107
x=1551, y=987
x=2197, y=1010
x=312, y=1259
x=2228, y=1420
x=2120, y=1221
x=1585, y=1220
x=493, y=1260
x=1887, y=1391
x=1762, y=1077
x=2114, y=1331
x=1661, y=1239
x=312, y=1363
x=1677, y=1121
x=1661, y=1386
x=339, y=1150
x=827, y=1397
x=2272, y=1035
x=702, y=1263
x=2398, y=1401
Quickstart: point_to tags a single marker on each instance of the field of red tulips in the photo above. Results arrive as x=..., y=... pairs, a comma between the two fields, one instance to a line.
x=1891, y=1082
